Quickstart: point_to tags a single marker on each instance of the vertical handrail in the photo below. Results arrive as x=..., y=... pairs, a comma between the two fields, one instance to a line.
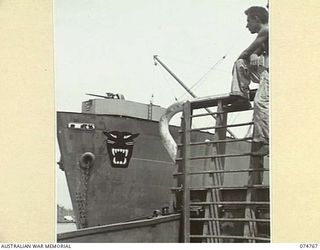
x=186, y=126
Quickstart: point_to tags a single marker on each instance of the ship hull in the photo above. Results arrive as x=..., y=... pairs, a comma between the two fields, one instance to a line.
x=104, y=193
x=114, y=194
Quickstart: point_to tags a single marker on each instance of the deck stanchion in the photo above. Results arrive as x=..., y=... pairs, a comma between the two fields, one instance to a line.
x=186, y=122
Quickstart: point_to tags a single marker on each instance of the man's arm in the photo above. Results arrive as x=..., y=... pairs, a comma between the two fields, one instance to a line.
x=256, y=45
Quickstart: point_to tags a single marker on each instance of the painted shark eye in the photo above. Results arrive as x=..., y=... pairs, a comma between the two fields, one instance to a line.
x=126, y=136
x=114, y=136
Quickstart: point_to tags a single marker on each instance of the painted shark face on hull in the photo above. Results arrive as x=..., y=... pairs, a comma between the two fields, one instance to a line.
x=120, y=147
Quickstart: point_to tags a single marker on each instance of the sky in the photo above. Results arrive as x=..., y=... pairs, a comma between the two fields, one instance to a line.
x=108, y=46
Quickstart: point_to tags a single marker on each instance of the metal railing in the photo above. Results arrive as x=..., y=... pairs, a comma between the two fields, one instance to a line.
x=189, y=162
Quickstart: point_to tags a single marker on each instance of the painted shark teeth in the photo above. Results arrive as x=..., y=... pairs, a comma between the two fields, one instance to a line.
x=120, y=150
x=119, y=162
x=124, y=152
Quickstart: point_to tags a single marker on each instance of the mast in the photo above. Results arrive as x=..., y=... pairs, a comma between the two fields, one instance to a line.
x=156, y=59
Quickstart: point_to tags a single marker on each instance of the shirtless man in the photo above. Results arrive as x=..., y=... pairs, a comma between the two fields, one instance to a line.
x=253, y=65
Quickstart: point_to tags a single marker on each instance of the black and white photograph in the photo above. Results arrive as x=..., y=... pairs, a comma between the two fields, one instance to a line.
x=154, y=121
x=162, y=121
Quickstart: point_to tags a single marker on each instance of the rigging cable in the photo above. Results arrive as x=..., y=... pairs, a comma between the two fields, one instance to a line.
x=220, y=60
x=202, y=77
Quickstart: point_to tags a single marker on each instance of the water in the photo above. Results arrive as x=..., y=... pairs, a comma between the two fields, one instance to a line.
x=66, y=227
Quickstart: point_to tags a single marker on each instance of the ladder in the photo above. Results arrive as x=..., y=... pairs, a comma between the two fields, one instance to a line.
x=150, y=107
x=212, y=211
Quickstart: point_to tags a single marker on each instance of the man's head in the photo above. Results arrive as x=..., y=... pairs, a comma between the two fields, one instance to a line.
x=256, y=17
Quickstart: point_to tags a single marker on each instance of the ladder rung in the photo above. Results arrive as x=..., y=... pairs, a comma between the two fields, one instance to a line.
x=249, y=203
x=223, y=187
x=231, y=219
x=226, y=126
x=230, y=237
x=215, y=156
x=224, y=171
